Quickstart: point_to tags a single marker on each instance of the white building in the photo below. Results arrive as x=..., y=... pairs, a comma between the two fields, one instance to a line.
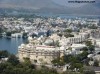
x=40, y=54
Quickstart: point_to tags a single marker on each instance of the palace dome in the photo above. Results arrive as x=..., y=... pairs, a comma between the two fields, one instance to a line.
x=30, y=38
x=49, y=42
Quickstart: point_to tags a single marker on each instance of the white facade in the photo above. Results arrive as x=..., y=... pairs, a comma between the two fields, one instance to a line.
x=41, y=54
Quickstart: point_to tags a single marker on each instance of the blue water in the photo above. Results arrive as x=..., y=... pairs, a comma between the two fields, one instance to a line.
x=11, y=45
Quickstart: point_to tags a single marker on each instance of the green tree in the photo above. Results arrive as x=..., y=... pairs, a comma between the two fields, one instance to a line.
x=84, y=49
x=13, y=60
x=68, y=30
x=8, y=33
x=56, y=61
x=1, y=30
x=69, y=35
x=57, y=43
x=24, y=35
x=96, y=63
x=60, y=34
x=76, y=65
x=27, y=62
x=83, y=55
x=4, y=53
x=88, y=43
x=89, y=72
x=91, y=48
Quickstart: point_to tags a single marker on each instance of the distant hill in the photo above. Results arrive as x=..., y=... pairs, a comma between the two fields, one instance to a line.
x=48, y=6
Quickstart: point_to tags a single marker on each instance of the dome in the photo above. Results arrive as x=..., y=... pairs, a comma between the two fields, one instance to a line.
x=30, y=38
x=90, y=55
x=19, y=47
x=27, y=46
x=49, y=42
x=69, y=51
x=62, y=48
x=41, y=36
x=22, y=45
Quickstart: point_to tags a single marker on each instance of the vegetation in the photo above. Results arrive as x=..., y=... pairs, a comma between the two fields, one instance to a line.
x=3, y=54
x=34, y=35
x=1, y=30
x=76, y=62
x=96, y=63
x=60, y=34
x=13, y=60
x=88, y=43
x=57, y=44
x=68, y=30
x=13, y=66
x=24, y=35
x=69, y=35
x=8, y=33
x=48, y=33
x=92, y=27
x=90, y=46
x=89, y=72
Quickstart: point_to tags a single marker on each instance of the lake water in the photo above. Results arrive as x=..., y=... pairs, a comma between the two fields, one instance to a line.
x=11, y=45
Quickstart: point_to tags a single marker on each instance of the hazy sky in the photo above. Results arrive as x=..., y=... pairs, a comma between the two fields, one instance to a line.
x=57, y=6
x=59, y=2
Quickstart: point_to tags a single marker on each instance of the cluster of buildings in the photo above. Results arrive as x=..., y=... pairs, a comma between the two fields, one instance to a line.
x=40, y=26
x=42, y=50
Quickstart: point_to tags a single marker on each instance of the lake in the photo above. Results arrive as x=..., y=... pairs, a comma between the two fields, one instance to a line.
x=11, y=45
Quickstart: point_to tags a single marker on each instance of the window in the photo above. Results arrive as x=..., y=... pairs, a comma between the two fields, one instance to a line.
x=45, y=56
x=35, y=61
x=36, y=56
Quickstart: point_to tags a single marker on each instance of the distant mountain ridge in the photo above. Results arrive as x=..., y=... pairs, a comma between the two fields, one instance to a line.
x=48, y=6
